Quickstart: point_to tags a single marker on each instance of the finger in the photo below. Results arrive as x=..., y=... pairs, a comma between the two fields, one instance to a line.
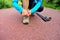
x=29, y=13
x=22, y=14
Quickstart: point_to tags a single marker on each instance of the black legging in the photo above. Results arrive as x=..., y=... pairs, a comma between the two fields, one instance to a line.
x=32, y=4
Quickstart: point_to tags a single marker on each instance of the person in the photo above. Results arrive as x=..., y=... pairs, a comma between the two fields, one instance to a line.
x=34, y=5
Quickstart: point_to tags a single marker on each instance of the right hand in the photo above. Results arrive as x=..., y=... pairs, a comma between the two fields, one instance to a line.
x=29, y=12
x=25, y=13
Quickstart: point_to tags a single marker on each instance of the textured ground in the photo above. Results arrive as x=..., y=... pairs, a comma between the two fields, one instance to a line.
x=12, y=28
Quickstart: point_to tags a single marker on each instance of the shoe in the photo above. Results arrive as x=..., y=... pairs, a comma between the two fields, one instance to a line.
x=47, y=19
x=25, y=20
x=32, y=15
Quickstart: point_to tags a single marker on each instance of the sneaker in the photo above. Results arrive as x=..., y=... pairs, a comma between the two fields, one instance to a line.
x=25, y=20
x=32, y=15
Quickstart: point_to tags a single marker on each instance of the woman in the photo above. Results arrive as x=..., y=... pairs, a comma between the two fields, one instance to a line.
x=34, y=5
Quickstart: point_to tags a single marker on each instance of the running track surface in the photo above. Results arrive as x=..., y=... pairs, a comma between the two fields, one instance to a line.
x=12, y=28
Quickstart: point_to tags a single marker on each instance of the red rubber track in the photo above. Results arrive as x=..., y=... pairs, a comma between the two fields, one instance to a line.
x=12, y=28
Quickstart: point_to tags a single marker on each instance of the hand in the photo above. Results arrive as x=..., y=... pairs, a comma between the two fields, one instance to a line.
x=25, y=13
x=29, y=12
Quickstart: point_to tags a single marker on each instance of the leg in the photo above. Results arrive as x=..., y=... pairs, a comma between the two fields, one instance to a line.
x=44, y=18
x=40, y=9
x=25, y=6
x=31, y=5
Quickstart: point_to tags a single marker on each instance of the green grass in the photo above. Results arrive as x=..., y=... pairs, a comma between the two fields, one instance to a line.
x=5, y=3
x=51, y=5
x=8, y=4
